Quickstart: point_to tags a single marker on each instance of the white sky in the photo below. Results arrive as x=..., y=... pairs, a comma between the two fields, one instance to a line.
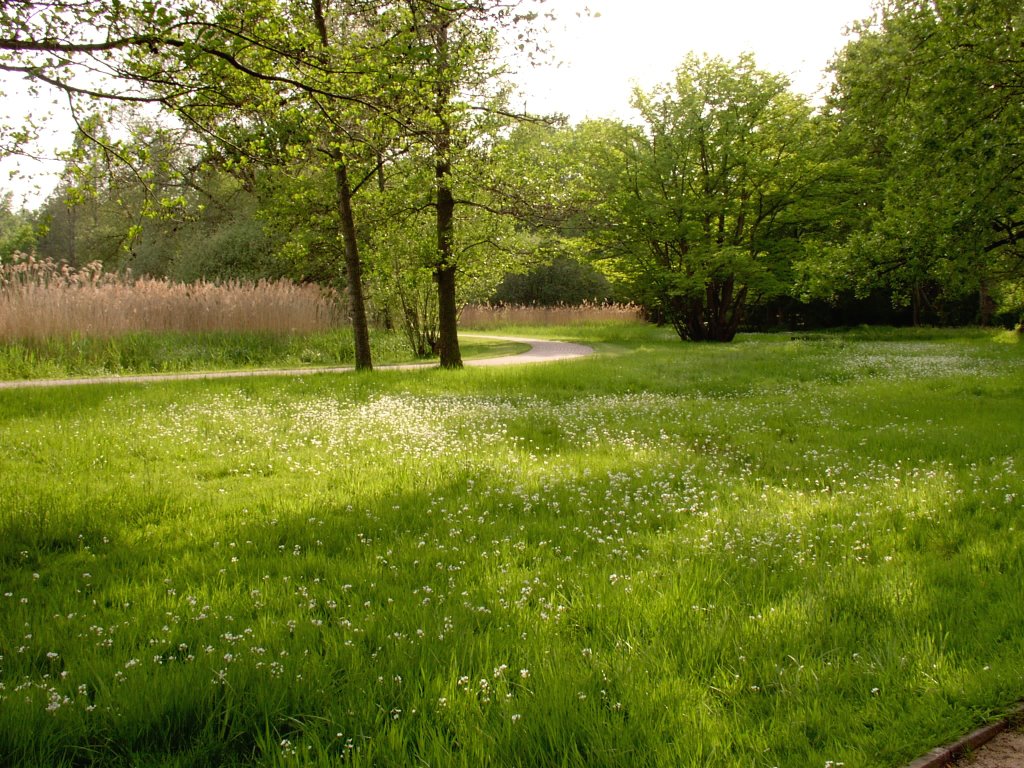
x=641, y=42
x=601, y=56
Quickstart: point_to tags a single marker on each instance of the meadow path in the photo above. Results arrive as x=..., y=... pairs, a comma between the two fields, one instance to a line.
x=540, y=351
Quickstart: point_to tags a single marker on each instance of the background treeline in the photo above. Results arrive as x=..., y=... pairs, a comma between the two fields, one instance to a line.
x=731, y=203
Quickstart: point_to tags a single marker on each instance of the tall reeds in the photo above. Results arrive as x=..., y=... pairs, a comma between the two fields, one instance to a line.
x=40, y=298
x=483, y=316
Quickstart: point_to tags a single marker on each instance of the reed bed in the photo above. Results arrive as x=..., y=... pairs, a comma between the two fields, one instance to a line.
x=482, y=316
x=41, y=298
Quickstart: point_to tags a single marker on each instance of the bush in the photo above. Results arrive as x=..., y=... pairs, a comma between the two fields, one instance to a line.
x=563, y=282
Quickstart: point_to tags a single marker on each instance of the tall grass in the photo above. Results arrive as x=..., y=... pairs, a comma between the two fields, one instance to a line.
x=169, y=352
x=782, y=552
x=41, y=299
x=173, y=352
x=490, y=317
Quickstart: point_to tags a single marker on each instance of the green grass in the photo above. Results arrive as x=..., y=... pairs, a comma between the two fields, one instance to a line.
x=142, y=353
x=782, y=552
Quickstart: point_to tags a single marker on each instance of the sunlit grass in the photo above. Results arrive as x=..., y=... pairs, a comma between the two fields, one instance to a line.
x=783, y=552
x=144, y=353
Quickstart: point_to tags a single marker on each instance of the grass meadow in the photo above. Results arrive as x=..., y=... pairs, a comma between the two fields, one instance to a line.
x=147, y=352
x=780, y=552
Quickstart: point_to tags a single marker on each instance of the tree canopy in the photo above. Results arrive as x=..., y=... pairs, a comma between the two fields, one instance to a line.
x=369, y=144
x=689, y=206
x=931, y=94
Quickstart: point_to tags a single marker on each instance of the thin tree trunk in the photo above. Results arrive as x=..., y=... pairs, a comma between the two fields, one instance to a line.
x=353, y=269
x=347, y=224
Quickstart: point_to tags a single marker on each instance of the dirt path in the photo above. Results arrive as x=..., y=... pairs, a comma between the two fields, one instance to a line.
x=541, y=351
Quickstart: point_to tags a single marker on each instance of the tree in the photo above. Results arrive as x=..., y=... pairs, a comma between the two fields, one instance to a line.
x=349, y=80
x=217, y=233
x=932, y=93
x=325, y=103
x=402, y=245
x=564, y=281
x=225, y=70
x=693, y=202
x=459, y=104
x=18, y=229
x=97, y=211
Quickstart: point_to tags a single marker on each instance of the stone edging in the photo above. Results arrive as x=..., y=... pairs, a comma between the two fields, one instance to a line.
x=943, y=756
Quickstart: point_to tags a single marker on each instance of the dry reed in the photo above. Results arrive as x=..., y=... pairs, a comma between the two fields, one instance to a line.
x=40, y=298
x=482, y=316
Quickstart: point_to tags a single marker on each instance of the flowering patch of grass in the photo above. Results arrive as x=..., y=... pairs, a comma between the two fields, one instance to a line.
x=783, y=552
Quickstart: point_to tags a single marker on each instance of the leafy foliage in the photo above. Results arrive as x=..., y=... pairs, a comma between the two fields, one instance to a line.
x=564, y=281
x=18, y=231
x=690, y=207
x=368, y=145
x=931, y=92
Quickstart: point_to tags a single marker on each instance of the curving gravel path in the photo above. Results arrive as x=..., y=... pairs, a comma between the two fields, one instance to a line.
x=541, y=351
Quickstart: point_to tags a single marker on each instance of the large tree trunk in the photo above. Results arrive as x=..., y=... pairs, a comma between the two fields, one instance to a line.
x=444, y=266
x=714, y=317
x=353, y=268
x=444, y=273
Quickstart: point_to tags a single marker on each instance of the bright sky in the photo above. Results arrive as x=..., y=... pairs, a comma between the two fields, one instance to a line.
x=641, y=42
x=621, y=43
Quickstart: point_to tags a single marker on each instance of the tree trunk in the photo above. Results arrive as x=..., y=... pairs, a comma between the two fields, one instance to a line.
x=714, y=317
x=347, y=224
x=986, y=305
x=353, y=269
x=448, y=340
x=444, y=273
x=738, y=306
x=444, y=267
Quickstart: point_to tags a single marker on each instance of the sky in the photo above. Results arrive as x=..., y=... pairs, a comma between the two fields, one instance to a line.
x=597, y=59
x=623, y=43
